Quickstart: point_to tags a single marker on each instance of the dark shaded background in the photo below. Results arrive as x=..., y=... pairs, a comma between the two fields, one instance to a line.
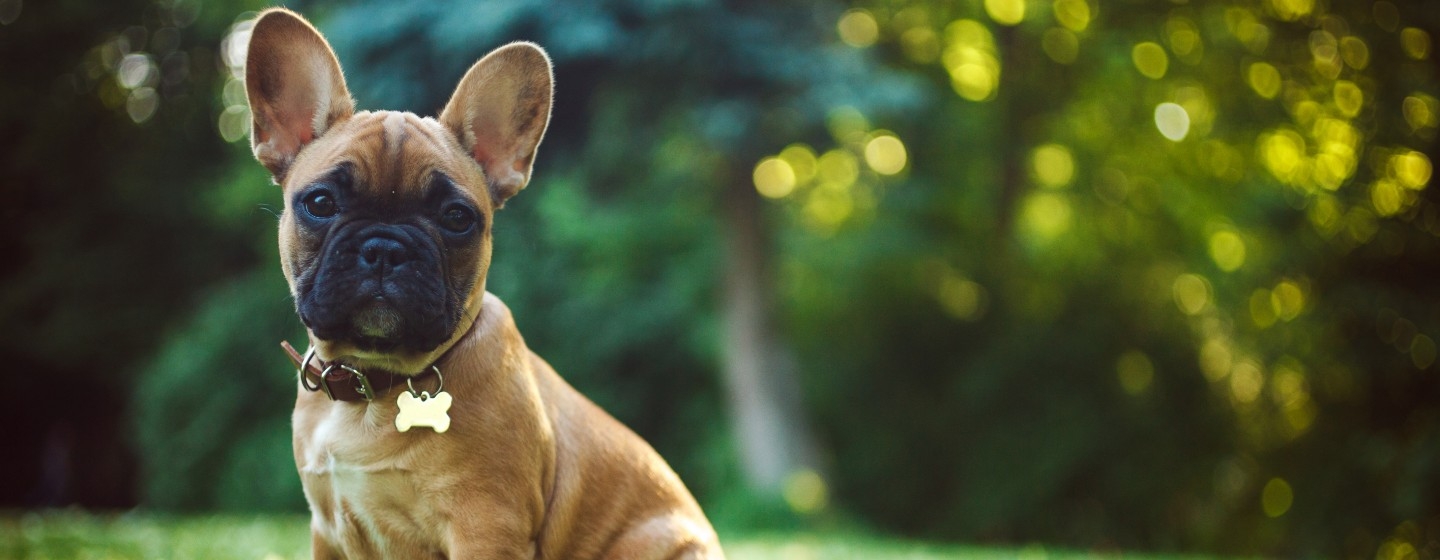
x=1060, y=319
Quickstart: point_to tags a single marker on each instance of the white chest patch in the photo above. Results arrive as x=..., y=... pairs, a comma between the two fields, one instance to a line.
x=363, y=501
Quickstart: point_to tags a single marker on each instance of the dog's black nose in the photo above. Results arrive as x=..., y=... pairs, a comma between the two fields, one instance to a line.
x=379, y=254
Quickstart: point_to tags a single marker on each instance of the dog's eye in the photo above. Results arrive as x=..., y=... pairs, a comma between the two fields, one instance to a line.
x=321, y=204
x=457, y=218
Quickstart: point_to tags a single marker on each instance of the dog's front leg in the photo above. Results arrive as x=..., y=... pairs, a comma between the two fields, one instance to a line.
x=491, y=539
x=320, y=549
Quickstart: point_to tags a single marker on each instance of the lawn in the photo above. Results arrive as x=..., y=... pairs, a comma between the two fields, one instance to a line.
x=73, y=535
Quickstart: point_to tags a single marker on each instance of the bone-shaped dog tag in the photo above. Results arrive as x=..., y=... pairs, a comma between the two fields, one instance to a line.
x=425, y=410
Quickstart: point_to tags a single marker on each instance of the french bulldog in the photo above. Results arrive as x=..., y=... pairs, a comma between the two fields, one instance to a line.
x=438, y=433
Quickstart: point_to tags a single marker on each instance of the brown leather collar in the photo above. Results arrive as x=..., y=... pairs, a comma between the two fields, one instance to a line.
x=341, y=382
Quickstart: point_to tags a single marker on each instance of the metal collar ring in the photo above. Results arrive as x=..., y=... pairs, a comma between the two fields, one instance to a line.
x=410, y=382
x=304, y=379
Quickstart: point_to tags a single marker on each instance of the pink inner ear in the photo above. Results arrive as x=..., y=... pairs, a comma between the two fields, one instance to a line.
x=489, y=138
x=291, y=126
x=482, y=155
x=299, y=124
x=490, y=153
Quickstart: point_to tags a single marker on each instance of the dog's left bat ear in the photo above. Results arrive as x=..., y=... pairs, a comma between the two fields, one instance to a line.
x=295, y=88
x=500, y=112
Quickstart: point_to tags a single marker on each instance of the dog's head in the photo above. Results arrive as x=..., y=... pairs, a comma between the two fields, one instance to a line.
x=385, y=239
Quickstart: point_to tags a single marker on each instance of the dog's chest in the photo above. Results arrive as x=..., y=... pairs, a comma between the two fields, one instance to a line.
x=364, y=493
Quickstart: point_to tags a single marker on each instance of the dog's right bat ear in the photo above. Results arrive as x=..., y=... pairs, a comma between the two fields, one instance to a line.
x=295, y=88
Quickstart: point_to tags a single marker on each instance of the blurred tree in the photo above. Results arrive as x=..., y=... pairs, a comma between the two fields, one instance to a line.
x=1129, y=290
x=107, y=114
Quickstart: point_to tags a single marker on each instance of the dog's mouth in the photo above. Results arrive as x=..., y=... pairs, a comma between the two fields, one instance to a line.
x=379, y=326
x=379, y=320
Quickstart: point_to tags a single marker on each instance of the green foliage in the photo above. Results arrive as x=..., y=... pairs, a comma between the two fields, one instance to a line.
x=1061, y=324
x=212, y=410
x=102, y=226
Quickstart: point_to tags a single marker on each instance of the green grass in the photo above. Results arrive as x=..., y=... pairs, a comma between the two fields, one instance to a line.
x=74, y=535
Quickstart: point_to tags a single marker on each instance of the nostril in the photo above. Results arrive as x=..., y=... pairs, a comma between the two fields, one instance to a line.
x=382, y=252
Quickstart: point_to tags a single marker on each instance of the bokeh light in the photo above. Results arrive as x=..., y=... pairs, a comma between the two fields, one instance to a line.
x=1073, y=14
x=1348, y=98
x=1060, y=44
x=847, y=124
x=1387, y=197
x=1277, y=497
x=1325, y=53
x=885, y=154
x=970, y=59
x=1262, y=308
x=1420, y=111
x=10, y=11
x=1192, y=293
x=1045, y=215
x=802, y=161
x=1173, y=121
x=234, y=123
x=1150, y=59
x=141, y=104
x=806, y=492
x=1248, y=29
x=1006, y=12
x=1386, y=14
x=1283, y=153
x=858, y=28
x=1422, y=351
x=1291, y=10
x=1355, y=53
x=1411, y=168
x=1264, y=79
x=1227, y=249
x=1184, y=39
x=921, y=44
x=1053, y=165
x=1288, y=300
x=1416, y=43
x=1246, y=381
x=1291, y=392
x=136, y=70
x=961, y=297
x=774, y=177
x=1216, y=359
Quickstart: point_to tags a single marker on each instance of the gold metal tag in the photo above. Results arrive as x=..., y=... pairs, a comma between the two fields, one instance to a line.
x=424, y=410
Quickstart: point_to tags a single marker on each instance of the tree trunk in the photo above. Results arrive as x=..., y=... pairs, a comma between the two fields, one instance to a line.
x=764, y=397
x=1009, y=105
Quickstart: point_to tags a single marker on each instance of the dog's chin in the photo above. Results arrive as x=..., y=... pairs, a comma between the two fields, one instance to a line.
x=365, y=356
x=381, y=337
x=375, y=336
x=376, y=324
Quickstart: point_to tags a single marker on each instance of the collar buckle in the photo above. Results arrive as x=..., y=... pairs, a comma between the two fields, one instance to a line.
x=363, y=387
